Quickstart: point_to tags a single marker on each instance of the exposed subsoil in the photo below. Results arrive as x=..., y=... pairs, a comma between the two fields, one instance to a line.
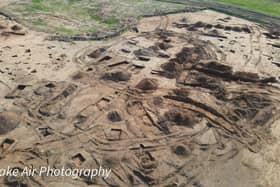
x=190, y=100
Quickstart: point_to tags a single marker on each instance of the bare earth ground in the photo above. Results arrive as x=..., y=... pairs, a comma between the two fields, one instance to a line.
x=190, y=100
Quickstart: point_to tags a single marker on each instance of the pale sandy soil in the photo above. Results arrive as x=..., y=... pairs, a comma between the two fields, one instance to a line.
x=30, y=59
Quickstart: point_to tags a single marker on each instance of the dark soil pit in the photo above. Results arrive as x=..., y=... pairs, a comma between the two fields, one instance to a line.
x=181, y=118
x=147, y=84
x=114, y=116
x=117, y=76
x=9, y=121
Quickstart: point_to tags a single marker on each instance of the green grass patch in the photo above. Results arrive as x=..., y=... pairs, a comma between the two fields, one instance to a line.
x=111, y=21
x=36, y=8
x=39, y=22
x=270, y=7
x=96, y=17
x=64, y=30
x=37, y=1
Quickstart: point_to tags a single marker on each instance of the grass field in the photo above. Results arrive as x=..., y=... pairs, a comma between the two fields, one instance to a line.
x=270, y=7
x=70, y=17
